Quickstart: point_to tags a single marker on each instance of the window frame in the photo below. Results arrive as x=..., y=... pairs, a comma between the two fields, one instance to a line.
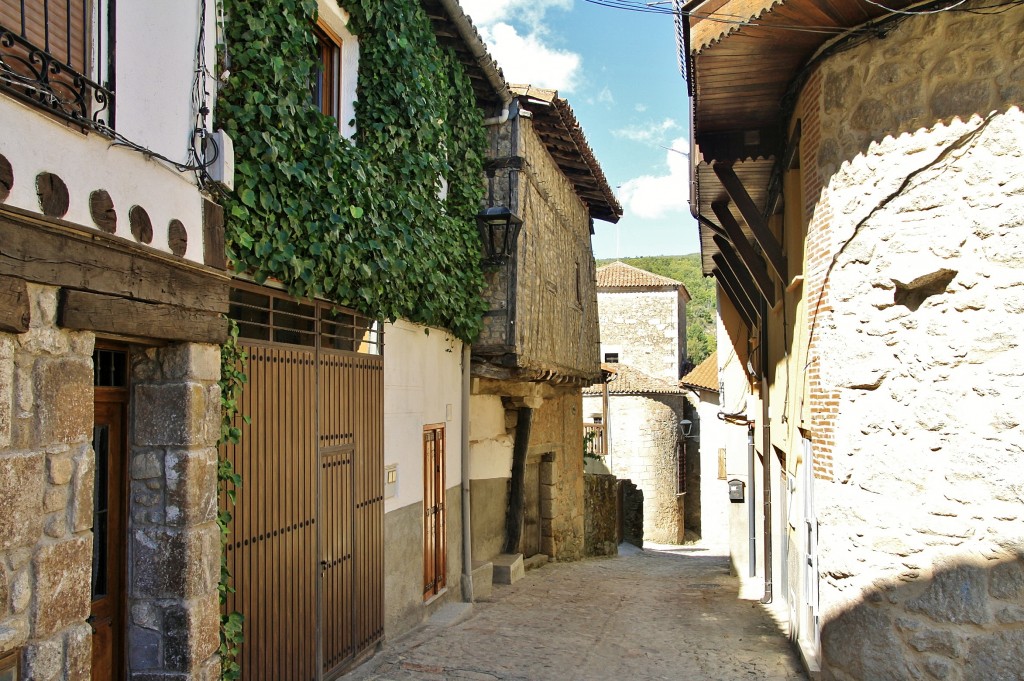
x=329, y=71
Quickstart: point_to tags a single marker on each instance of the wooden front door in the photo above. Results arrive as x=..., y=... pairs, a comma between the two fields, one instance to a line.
x=434, y=549
x=109, y=511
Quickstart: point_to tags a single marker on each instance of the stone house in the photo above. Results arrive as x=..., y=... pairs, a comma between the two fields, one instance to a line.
x=112, y=284
x=643, y=339
x=860, y=207
x=540, y=341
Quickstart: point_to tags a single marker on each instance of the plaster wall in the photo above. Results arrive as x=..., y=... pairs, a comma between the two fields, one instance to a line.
x=153, y=103
x=644, y=329
x=714, y=491
x=645, y=433
x=490, y=468
x=919, y=204
x=422, y=386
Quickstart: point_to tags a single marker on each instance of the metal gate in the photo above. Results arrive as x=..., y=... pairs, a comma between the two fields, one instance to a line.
x=306, y=544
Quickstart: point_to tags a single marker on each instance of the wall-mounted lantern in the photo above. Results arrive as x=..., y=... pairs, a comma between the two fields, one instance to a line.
x=499, y=230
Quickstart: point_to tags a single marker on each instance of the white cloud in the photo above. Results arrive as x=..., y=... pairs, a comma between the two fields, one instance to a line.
x=640, y=108
x=649, y=132
x=527, y=59
x=605, y=96
x=488, y=12
x=656, y=196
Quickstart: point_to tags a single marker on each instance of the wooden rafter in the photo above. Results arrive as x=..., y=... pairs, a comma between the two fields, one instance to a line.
x=752, y=216
x=751, y=261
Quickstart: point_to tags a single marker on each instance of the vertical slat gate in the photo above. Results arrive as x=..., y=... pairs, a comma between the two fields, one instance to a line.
x=307, y=539
x=434, y=538
x=272, y=547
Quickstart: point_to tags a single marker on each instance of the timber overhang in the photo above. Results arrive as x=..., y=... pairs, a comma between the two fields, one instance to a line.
x=745, y=62
x=562, y=134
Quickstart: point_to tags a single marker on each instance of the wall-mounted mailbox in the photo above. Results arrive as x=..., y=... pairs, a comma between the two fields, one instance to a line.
x=736, y=490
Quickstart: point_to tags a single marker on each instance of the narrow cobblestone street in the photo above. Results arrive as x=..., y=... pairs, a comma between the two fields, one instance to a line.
x=657, y=614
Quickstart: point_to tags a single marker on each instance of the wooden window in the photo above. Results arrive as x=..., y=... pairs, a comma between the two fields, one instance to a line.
x=434, y=545
x=579, y=286
x=611, y=358
x=9, y=665
x=326, y=85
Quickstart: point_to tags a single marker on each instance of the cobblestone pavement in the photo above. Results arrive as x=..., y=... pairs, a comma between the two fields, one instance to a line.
x=656, y=614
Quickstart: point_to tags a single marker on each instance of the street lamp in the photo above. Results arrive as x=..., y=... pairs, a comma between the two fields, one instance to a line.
x=499, y=230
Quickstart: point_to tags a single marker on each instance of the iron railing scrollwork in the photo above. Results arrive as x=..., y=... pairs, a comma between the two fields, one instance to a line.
x=37, y=77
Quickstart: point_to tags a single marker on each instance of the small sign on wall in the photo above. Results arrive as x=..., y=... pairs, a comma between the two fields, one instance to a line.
x=391, y=481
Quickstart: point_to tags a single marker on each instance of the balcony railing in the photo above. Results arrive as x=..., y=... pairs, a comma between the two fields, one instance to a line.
x=593, y=436
x=47, y=47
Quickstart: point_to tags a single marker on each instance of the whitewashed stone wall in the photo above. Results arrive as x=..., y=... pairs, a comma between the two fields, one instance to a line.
x=922, y=529
x=645, y=329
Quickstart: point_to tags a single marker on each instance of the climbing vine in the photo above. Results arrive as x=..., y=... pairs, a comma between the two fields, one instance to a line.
x=232, y=378
x=357, y=223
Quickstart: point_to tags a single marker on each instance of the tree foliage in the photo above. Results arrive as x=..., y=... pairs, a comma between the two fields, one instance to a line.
x=701, y=338
x=360, y=224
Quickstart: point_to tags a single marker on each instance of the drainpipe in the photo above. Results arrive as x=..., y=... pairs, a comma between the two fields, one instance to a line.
x=766, y=463
x=751, y=511
x=467, y=528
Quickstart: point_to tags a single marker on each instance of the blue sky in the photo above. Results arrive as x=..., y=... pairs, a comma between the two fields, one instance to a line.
x=619, y=73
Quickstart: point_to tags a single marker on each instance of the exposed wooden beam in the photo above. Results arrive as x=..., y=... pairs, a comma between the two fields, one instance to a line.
x=14, y=306
x=738, y=302
x=740, y=297
x=58, y=253
x=741, y=280
x=751, y=260
x=752, y=216
x=110, y=314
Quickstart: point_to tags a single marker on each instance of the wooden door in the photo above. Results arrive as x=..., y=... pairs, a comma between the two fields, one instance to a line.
x=434, y=548
x=109, y=511
x=530, y=543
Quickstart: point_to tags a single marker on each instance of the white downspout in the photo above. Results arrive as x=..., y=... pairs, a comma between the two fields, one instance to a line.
x=476, y=46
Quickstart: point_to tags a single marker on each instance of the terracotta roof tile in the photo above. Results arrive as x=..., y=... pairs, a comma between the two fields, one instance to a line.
x=704, y=375
x=631, y=381
x=620, y=275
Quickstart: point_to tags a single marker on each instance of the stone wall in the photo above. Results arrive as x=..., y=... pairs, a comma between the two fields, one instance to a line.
x=916, y=246
x=645, y=330
x=601, y=519
x=46, y=503
x=644, y=433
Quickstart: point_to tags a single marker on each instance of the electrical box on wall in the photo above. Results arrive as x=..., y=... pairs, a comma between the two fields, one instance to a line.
x=391, y=481
x=223, y=167
x=736, y=490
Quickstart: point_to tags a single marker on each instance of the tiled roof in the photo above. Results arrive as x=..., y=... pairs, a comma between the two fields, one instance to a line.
x=704, y=376
x=620, y=275
x=631, y=381
x=562, y=134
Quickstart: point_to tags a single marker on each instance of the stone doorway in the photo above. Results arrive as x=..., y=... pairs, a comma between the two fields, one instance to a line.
x=538, y=512
x=531, y=520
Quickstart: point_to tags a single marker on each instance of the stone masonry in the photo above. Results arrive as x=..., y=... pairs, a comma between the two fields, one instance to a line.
x=912, y=154
x=46, y=503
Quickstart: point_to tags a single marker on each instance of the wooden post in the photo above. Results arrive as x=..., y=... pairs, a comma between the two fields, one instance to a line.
x=14, y=305
x=517, y=491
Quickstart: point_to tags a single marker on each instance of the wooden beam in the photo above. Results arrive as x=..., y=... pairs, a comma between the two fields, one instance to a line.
x=751, y=260
x=123, y=317
x=15, y=312
x=58, y=253
x=734, y=188
x=739, y=297
x=740, y=274
x=738, y=302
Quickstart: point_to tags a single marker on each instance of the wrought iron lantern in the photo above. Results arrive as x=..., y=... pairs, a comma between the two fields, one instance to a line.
x=499, y=231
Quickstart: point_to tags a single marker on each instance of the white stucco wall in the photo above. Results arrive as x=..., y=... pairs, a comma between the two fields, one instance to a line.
x=490, y=445
x=422, y=386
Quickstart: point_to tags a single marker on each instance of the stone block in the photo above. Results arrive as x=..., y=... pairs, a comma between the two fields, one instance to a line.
x=1006, y=581
x=55, y=498
x=171, y=563
x=21, y=590
x=22, y=483
x=63, y=574
x=177, y=415
x=13, y=632
x=5, y=588
x=483, y=579
x=192, y=633
x=59, y=468
x=6, y=394
x=508, y=568
x=147, y=465
x=143, y=649
x=957, y=595
x=63, y=400
x=56, y=525
x=44, y=660
x=194, y=361
x=549, y=508
x=995, y=656
x=78, y=654
x=862, y=642
x=191, y=484
x=938, y=641
x=82, y=483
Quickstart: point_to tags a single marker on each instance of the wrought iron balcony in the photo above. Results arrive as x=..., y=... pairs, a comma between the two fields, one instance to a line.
x=52, y=77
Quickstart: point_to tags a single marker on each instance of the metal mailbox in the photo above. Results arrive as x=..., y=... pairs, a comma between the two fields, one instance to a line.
x=736, y=490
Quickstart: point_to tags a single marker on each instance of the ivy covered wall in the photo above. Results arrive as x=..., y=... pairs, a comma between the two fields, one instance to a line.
x=359, y=224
